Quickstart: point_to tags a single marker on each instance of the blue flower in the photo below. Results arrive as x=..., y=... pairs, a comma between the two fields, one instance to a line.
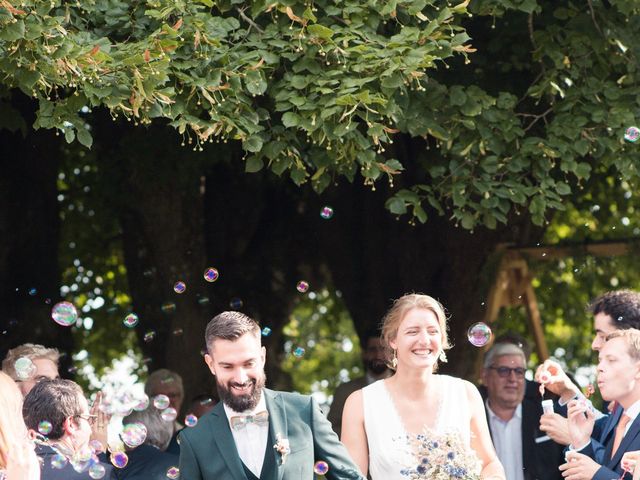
x=421, y=469
x=451, y=455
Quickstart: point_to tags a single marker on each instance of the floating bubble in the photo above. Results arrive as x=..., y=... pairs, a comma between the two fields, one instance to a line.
x=24, y=368
x=173, y=472
x=96, y=446
x=326, y=212
x=72, y=369
x=131, y=320
x=179, y=287
x=142, y=404
x=97, y=470
x=236, y=303
x=119, y=459
x=133, y=434
x=177, y=332
x=32, y=291
x=161, y=401
x=168, y=307
x=211, y=274
x=302, y=286
x=45, y=427
x=191, y=420
x=203, y=300
x=298, y=352
x=266, y=331
x=632, y=134
x=59, y=461
x=149, y=336
x=479, y=334
x=320, y=467
x=169, y=414
x=64, y=313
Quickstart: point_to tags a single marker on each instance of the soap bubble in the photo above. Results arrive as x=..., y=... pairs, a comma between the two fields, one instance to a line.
x=173, y=472
x=64, y=313
x=169, y=414
x=479, y=334
x=320, y=467
x=632, y=134
x=326, y=212
x=161, y=401
x=211, y=274
x=302, y=286
x=191, y=420
x=179, y=287
x=97, y=471
x=130, y=320
x=119, y=459
x=298, y=352
x=45, y=427
x=25, y=368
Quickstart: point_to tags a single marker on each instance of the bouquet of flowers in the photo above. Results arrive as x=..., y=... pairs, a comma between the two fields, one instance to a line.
x=442, y=457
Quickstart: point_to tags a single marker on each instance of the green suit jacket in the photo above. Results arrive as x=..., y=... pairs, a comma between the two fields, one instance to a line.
x=208, y=451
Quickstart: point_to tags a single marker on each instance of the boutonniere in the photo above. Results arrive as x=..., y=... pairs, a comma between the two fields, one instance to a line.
x=282, y=447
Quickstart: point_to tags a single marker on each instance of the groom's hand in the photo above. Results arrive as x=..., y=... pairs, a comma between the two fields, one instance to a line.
x=579, y=467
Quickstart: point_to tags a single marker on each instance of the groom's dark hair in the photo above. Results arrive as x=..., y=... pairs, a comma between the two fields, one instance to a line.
x=230, y=326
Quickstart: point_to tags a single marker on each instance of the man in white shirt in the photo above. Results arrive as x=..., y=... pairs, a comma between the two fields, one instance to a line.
x=524, y=451
x=256, y=433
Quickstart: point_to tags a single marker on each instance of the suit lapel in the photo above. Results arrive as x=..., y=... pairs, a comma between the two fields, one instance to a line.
x=633, y=432
x=607, y=433
x=277, y=423
x=529, y=419
x=224, y=439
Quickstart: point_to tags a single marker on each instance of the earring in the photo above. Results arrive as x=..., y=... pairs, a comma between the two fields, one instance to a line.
x=394, y=360
x=442, y=357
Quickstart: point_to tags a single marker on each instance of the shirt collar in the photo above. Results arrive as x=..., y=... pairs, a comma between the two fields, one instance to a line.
x=633, y=411
x=516, y=414
x=262, y=405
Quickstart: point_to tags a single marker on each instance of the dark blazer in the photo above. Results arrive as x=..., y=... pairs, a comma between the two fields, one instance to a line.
x=208, y=451
x=340, y=397
x=67, y=472
x=541, y=458
x=611, y=467
x=147, y=463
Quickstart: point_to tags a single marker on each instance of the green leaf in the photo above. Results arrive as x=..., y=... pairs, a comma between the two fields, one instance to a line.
x=12, y=31
x=320, y=31
x=252, y=144
x=290, y=119
x=396, y=205
x=254, y=164
x=69, y=135
x=84, y=137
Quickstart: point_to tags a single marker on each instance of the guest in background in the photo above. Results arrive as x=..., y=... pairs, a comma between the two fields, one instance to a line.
x=63, y=406
x=169, y=383
x=375, y=365
x=45, y=361
x=149, y=461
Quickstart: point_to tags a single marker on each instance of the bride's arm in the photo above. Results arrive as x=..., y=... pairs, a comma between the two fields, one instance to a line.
x=354, y=436
x=481, y=438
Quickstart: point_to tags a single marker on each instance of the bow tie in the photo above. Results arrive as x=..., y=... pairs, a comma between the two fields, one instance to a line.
x=241, y=421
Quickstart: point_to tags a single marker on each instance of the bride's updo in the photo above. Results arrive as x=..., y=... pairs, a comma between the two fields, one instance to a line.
x=392, y=320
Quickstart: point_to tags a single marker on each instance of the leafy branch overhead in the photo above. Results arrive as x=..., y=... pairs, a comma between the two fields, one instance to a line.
x=376, y=88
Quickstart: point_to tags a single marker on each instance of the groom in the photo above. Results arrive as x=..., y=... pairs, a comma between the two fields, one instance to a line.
x=256, y=433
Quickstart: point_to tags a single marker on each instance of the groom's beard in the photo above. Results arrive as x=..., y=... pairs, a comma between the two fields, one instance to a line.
x=242, y=403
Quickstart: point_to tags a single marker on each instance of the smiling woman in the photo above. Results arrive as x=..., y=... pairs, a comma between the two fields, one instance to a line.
x=420, y=407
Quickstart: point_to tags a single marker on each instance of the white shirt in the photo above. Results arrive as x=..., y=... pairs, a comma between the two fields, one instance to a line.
x=251, y=441
x=632, y=412
x=507, y=438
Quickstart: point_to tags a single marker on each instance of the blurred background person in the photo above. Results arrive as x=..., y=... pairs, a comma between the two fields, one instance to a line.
x=18, y=460
x=62, y=405
x=44, y=359
x=375, y=367
x=201, y=404
x=149, y=461
x=169, y=383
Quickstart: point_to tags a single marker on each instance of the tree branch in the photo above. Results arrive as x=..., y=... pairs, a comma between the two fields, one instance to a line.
x=248, y=20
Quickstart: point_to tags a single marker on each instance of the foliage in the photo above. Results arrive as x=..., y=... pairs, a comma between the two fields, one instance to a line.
x=320, y=90
x=321, y=325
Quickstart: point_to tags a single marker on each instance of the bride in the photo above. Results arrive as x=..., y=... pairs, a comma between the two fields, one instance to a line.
x=385, y=424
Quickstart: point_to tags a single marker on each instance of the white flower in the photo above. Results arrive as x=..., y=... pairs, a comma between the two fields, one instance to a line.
x=282, y=447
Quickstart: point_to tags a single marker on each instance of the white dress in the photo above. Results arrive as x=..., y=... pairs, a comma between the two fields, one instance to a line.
x=389, y=452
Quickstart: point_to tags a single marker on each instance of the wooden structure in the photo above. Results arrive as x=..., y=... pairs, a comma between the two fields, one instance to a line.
x=512, y=285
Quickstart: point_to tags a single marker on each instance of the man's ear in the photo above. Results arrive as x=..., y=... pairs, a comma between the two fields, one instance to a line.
x=208, y=359
x=70, y=426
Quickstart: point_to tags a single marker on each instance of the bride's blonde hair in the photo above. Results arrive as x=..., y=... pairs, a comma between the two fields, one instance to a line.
x=12, y=428
x=392, y=320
